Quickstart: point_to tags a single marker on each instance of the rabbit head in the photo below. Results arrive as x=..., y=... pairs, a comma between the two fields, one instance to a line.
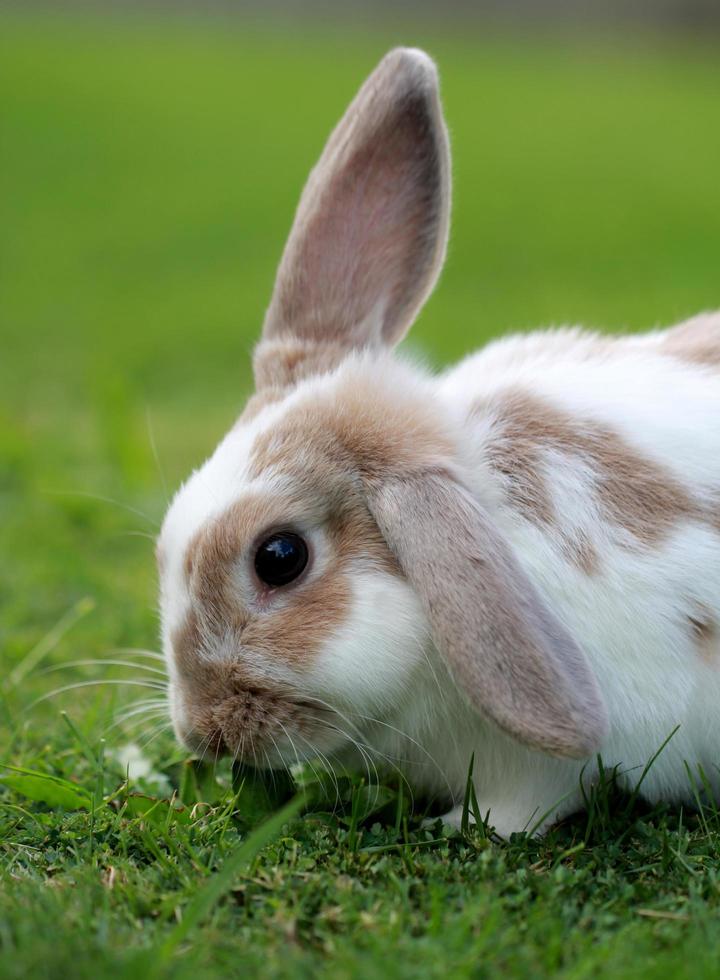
x=331, y=546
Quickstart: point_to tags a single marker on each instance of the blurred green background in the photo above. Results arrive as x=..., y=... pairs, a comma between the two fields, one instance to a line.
x=150, y=165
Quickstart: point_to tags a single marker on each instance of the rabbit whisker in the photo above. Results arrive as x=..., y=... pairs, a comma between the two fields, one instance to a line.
x=140, y=717
x=105, y=500
x=103, y=663
x=153, y=685
x=138, y=652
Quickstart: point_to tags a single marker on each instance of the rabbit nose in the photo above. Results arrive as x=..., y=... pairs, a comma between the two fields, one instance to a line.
x=241, y=719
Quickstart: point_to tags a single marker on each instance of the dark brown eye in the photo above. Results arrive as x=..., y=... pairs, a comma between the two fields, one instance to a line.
x=281, y=558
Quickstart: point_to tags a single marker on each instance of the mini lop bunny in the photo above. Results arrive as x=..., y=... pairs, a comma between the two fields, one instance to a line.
x=518, y=559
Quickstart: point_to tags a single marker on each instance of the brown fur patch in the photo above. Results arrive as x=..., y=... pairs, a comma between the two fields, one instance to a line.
x=294, y=633
x=216, y=546
x=260, y=400
x=637, y=493
x=282, y=362
x=516, y=453
x=362, y=426
x=186, y=642
x=697, y=341
x=581, y=552
x=213, y=553
x=705, y=632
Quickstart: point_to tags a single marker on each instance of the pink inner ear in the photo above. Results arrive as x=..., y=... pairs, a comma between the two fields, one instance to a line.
x=370, y=230
x=367, y=241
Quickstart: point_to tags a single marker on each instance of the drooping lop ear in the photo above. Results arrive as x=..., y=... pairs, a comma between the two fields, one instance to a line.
x=505, y=649
x=371, y=228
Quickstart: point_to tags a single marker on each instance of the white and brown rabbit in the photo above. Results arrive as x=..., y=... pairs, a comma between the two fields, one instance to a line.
x=518, y=559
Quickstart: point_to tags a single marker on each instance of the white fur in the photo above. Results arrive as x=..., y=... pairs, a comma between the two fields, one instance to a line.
x=372, y=659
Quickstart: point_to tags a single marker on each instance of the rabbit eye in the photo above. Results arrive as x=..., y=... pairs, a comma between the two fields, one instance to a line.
x=281, y=558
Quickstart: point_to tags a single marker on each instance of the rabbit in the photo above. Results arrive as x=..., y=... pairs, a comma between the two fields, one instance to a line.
x=517, y=559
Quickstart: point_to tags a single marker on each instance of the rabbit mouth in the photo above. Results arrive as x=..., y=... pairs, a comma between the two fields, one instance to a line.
x=263, y=728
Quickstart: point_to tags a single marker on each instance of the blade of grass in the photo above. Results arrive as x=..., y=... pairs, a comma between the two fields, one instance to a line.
x=465, y=820
x=86, y=748
x=648, y=766
x=51, y=639
x=353, y=835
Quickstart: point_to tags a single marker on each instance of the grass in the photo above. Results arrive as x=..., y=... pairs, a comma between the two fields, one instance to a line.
x=150, y=170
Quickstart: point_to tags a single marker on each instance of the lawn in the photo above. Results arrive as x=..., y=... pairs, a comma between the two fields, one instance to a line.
x=149, y=170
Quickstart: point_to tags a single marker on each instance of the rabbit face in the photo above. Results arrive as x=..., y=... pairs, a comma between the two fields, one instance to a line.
x=283, y=608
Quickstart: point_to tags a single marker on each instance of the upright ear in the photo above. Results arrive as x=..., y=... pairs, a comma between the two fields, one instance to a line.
x=511, y=656
x=371, y=228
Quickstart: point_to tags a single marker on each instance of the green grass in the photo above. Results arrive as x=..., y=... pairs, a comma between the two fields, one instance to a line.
x=149, y=173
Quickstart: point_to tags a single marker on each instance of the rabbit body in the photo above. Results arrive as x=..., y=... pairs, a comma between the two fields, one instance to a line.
x=517, y=560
